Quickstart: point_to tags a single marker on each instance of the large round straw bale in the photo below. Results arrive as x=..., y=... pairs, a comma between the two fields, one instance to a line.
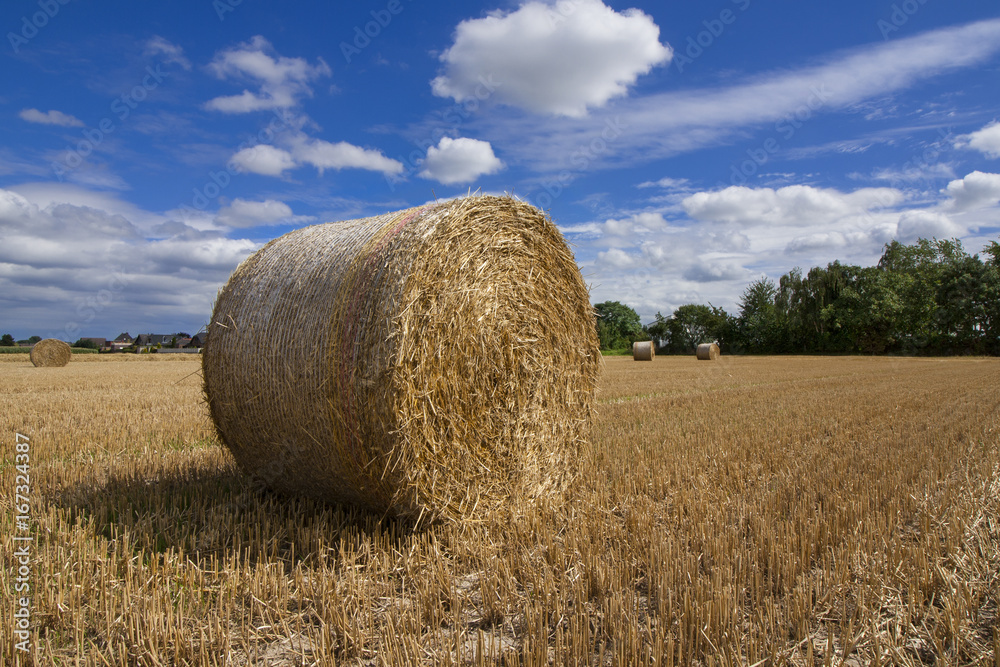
x=50, y=352
x=643, y=350
x=430, y=363
x=708, y=352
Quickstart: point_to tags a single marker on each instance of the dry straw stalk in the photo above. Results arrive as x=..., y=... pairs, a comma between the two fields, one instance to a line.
x=643, y=350
x=50, y=352
x=429, y=363
x=708, y=352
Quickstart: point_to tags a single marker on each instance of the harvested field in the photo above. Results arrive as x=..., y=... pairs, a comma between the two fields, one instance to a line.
x=752, y=511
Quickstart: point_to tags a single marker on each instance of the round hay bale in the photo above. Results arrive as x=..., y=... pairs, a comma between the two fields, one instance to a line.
x=708, y=352
x=50, y=352
x=430, y=363
x=643, y=350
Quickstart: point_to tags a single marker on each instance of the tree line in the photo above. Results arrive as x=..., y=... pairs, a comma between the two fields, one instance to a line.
x=931, y=297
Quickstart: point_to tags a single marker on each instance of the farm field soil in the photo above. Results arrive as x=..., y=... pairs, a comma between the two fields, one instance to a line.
x=743, y=511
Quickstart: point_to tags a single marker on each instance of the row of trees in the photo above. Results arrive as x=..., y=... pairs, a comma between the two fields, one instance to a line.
x=931, y=297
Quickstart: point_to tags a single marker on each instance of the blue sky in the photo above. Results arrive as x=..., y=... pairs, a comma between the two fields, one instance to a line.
x=685, y=149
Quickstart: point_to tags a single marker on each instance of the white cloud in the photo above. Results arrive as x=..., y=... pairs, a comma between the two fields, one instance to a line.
x=976, y=190
x=560, y=58
x=460, y=160
x=706, y=271
x=669, y=123
x=171, y=53
x=927, y=225
x=794, y=205
x=667, y=183
x=263, y=159
x=986, y=140
x=341, y=155
x=243, y=213
x=281, y=80
x=639, y=223
x=52, y=117
x=81, y=268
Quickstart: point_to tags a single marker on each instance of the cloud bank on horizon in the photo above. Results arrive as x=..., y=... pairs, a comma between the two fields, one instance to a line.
x=684, y=151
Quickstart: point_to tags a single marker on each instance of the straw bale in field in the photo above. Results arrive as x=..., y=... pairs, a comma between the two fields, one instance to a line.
x=708, y=352
x=428, y=363
x=50, y=352
x=643, y=350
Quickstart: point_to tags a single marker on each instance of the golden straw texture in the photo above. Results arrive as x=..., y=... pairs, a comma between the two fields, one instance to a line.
x=430, y=363
x=643, y=350
x=708, y=352
x=50, y=352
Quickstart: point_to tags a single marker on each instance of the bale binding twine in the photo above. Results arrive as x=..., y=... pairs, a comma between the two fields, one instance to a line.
x=50, y=352
x=707, y=352
x=643, y=351
x=431, y=363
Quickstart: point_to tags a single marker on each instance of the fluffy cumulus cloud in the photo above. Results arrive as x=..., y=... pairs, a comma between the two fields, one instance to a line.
x=243, y=213
x=919, y=224
x=794, y=205
x=460, y=161
x=341, y=155
x=268, y=160
x=263, y=159
x=72, y=266
x=52, y=117
x=976, y=190
x=986, y=140
x=280, y=81
x=553, y=58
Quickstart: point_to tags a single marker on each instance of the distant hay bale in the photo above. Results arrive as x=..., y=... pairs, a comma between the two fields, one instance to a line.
x=643, y=350
x=431, y=363
x=50, y=352
x=708, y=352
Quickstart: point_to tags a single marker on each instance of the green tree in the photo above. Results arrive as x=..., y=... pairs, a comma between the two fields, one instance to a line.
x=86, y=343
x=618, y=325
x=690, y=325
x=7, y=340
x=760, y=325
x=34, y=339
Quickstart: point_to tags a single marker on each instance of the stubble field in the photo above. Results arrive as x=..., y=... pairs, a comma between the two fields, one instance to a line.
x=747, y=511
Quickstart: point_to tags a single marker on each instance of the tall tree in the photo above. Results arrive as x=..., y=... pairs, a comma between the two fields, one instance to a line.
x=760, y=324
x=618, y=325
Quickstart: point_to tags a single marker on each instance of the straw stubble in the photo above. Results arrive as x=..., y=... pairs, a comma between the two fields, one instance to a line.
x=429, y=363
